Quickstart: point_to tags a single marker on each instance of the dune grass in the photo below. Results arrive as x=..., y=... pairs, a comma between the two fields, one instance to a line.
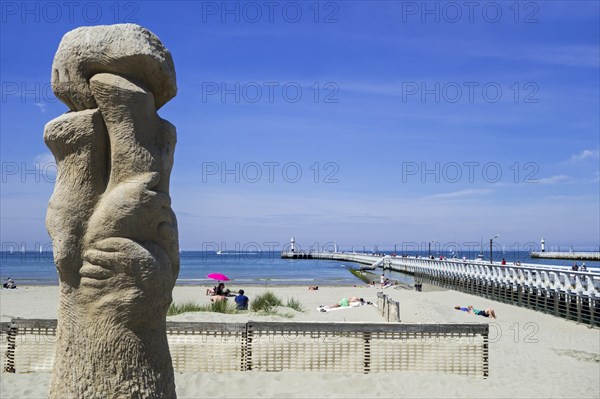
x=183, y=307
x=189, y=306
x=295, y=304
x=263, y=304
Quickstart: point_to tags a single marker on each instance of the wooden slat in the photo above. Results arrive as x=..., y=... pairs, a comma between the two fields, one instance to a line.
x=370, y=327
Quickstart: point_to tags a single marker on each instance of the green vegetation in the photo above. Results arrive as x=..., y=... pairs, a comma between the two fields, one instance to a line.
x=263, y=305
x=265, y=302
x=360, y=275
x=178, y=308
x=219, y=307
x=295, y=304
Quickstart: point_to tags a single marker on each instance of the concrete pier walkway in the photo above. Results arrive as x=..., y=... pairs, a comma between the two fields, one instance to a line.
x=558, y=290
x=567, y=255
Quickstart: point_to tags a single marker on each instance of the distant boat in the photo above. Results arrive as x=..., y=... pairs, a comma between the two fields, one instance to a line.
x=232, y=252
x=480, y=256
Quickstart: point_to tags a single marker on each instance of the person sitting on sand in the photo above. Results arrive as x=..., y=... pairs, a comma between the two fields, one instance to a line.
x=241, y=301
x=485, y=313
x=221, y=290
x=220, y=294
x=9, y=284
x=218, y=290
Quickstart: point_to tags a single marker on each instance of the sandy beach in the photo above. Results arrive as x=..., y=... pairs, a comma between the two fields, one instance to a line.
x=531, y=354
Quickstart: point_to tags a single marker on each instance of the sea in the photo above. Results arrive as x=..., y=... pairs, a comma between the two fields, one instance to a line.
x=242, y=268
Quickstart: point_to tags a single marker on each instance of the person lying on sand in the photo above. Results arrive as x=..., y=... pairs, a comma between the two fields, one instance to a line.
x=489, y=312
x=313, y=288
x=344, y=303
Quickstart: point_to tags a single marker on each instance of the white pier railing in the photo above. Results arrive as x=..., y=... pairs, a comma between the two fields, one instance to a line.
x=540, y=276
x=574, y=295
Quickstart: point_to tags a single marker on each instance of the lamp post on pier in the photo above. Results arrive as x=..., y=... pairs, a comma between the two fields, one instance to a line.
x=491, y=242
x=430, y=247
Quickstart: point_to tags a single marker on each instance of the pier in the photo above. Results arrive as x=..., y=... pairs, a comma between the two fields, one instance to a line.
x=557, y=290
x=567, y=255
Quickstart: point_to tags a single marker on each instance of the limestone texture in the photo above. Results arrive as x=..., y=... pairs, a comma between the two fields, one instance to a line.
x=113, y=230
x=126, y=50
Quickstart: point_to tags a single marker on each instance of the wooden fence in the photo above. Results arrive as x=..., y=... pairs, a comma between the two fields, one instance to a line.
x=389, y=309
x=278, y=346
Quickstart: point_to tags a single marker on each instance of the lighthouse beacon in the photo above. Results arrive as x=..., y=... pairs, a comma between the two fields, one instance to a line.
x=293, y=245
x=543, y=245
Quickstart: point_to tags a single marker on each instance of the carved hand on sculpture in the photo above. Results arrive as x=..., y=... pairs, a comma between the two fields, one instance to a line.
x=130, y=237
x=132, y=234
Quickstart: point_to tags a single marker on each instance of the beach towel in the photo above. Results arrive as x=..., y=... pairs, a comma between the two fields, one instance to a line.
x=328, y=309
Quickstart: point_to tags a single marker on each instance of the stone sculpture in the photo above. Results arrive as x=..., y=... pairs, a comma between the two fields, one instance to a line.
x=110, y=218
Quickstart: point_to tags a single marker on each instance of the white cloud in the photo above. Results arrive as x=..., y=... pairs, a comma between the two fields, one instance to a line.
x=462, y=194
x=365, y=218
x=554, y=179
x=46, y=164
x=585, y=154
x=44, y=158
x=573, y=55
x=570, y=55
x=41, y=106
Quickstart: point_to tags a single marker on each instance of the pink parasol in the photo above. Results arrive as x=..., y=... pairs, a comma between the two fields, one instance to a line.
x=218, y=277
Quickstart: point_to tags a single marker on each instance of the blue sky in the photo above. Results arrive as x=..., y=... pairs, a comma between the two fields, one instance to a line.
x=408, y=121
